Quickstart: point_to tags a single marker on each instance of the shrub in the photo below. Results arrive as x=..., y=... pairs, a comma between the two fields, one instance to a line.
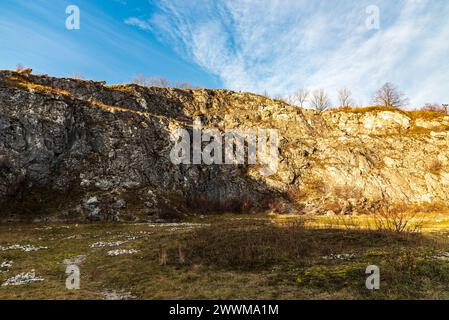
x=249, y=247
x=435, y=108
x=435, y=166
x=398, y=219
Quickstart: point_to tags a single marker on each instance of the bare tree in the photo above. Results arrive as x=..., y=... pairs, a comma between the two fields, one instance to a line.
x=344, y=95
x=151, y=81
x=320, y=100
x=160, y=82
x=389, y=96
x=435, y=107
x=299, y=97
x=183, y=85
x=279, y=97
x=78, y=76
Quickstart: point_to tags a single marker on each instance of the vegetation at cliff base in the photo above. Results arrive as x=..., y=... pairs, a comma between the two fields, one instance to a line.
x=228, y=257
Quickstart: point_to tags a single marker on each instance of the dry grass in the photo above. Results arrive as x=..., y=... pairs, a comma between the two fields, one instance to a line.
x=368, y=109
x=415, y=114
x=288, y=259
x=21, y=82
x=426, y=115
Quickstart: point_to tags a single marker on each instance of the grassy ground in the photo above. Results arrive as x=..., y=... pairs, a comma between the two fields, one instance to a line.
x=232, y=257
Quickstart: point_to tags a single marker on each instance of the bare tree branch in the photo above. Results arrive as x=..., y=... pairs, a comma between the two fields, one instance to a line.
x=159, y=82
x=344, y=96
x=389, y=96
x=320, y=100
x=299, y=97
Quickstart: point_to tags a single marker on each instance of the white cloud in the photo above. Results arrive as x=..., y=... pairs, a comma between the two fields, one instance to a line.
x=141, y=24
x=280, y=45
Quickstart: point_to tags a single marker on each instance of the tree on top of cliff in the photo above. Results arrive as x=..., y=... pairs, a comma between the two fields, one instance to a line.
x=299, y=97
x=159, y=82
x=389, y=96
x=344, y=96
x=320, y=100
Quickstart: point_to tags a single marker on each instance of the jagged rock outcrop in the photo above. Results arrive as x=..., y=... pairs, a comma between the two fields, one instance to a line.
x=77, y=149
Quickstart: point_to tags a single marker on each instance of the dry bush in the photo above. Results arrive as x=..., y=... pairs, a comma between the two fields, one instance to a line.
x=431, y=207
x=398, y=219
x=247, y=247
x=242, y=204
x=435, y=166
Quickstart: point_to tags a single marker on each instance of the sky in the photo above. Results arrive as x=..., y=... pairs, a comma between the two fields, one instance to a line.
x=262, y=46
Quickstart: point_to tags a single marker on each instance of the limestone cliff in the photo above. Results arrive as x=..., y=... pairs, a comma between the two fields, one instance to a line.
x=76, y=149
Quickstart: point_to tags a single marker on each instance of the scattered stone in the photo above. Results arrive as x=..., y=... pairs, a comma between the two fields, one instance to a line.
x=178, y=226
x=91, y=201
x=48, y=228
x=114, y=295
x=22, y=279
x=107, y=244
x=442, y=256
x=5, y=266
x=91, y=205
x=121, y=252
x=343, y=256
x=104, y=185
x=26, y=248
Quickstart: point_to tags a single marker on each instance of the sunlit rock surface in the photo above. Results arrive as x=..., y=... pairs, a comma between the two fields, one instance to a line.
x=76, y=150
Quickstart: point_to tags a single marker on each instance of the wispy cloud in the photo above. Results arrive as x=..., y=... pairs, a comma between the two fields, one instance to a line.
x=280, y=45
x=141, y=24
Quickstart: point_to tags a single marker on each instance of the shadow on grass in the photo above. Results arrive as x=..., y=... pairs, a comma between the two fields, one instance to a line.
x=262, y=245
x=326, y=260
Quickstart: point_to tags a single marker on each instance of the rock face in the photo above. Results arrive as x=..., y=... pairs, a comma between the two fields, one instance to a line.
x=76, y=149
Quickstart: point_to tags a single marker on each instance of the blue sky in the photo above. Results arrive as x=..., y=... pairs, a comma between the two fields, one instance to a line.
x=274, y=46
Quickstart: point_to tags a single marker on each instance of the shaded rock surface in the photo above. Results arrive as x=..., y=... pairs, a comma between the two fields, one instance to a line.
x=75, y=149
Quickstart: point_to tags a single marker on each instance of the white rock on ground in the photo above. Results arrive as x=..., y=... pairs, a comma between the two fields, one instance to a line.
x=121, y=252
x=26, y=248
x=107, y=244
x=114, y=295
x=22, y=279
x=342, y=256
x=442, y=256
x=5, y=265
